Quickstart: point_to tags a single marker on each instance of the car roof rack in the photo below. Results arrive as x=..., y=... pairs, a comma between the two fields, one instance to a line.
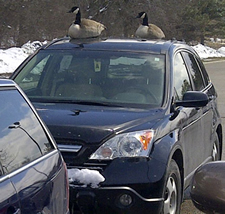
x=55, y=41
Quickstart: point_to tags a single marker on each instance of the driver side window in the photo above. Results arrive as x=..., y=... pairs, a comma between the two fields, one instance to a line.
x=180, y=77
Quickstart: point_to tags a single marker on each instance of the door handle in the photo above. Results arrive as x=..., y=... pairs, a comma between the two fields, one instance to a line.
x=211, y=97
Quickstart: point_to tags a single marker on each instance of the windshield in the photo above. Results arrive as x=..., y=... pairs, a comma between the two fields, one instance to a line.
x=107, y=77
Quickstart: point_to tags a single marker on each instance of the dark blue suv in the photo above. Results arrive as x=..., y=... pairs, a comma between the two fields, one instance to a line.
x=33, y=175
x=132, y=118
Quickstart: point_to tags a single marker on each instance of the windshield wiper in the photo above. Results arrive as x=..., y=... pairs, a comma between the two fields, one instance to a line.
x=85, y=102
x=81, y=102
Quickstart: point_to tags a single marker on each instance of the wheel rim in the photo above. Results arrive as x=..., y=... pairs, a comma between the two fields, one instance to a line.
x=170, y=202
x=215, y=152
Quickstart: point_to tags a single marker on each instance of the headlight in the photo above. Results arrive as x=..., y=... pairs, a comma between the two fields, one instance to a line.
x=133, y=144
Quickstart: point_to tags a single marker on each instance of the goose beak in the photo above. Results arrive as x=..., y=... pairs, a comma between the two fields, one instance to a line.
x=70, y=11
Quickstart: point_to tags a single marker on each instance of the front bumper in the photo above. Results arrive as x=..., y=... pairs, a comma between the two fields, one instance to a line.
x=112, y=200
x=130, y=186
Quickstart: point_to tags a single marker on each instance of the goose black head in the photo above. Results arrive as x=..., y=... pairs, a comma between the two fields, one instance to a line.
x=141, y=15
x=75, y=10
x=144, y=17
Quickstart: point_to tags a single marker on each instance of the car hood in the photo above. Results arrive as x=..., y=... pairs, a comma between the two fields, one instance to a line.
x=92, y=124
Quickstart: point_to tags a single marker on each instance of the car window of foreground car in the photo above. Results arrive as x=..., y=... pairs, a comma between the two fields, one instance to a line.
x=18, y=129
x=107, y=77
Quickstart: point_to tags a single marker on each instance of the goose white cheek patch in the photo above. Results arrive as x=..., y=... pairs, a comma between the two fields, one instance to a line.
x=76, y=11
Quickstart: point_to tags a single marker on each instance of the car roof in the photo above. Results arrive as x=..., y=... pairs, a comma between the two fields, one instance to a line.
x=7, y=82
x=115, y=44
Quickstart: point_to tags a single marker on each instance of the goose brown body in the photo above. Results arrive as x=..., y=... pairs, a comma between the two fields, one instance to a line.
x=148, y=31
x=84, y=28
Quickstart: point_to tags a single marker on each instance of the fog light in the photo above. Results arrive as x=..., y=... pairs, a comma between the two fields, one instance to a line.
x=125, y=200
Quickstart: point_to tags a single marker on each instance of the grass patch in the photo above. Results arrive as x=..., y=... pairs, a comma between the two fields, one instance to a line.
x=212, y=59
x=5, y=75
x=214, y=45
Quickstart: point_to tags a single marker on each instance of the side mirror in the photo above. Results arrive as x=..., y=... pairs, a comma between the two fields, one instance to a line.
x=193, y=99
x=208, y=187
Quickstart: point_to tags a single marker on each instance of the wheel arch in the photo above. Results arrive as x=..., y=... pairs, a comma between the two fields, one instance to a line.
x=178, y=158
x=219, y=132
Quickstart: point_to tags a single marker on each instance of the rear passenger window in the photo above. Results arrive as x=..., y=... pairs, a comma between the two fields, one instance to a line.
x=204, y=72
x=22, y=138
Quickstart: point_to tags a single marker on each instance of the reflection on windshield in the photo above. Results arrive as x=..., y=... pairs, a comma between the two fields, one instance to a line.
x=113, y=77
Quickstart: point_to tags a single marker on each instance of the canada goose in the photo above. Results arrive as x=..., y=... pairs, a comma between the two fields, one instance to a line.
x=146, y=30
x=84, y=28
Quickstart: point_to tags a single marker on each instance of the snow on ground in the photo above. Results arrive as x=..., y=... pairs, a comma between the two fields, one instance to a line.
x=11, y=58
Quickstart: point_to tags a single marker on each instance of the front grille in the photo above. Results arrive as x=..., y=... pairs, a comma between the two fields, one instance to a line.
x=76, y=154
x=70, y=150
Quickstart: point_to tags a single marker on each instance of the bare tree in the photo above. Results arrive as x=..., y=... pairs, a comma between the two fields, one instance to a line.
x=24, y=20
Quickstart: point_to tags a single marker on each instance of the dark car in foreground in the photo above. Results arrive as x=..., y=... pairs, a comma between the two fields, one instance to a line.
x=208, y=187
x=33, y=175
x=132, y=118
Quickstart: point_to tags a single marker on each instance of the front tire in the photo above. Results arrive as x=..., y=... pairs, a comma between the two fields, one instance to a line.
x=216, y=153
x=172, y=193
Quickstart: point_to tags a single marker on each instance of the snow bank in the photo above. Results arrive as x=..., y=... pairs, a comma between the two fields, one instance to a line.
x=11, y=58
x=85, y=177
x=207, y=52
x=222, y=50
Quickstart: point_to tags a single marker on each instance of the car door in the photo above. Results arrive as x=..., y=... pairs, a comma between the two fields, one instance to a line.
x=9, y=202
x=206, y=111
x=190, y=125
